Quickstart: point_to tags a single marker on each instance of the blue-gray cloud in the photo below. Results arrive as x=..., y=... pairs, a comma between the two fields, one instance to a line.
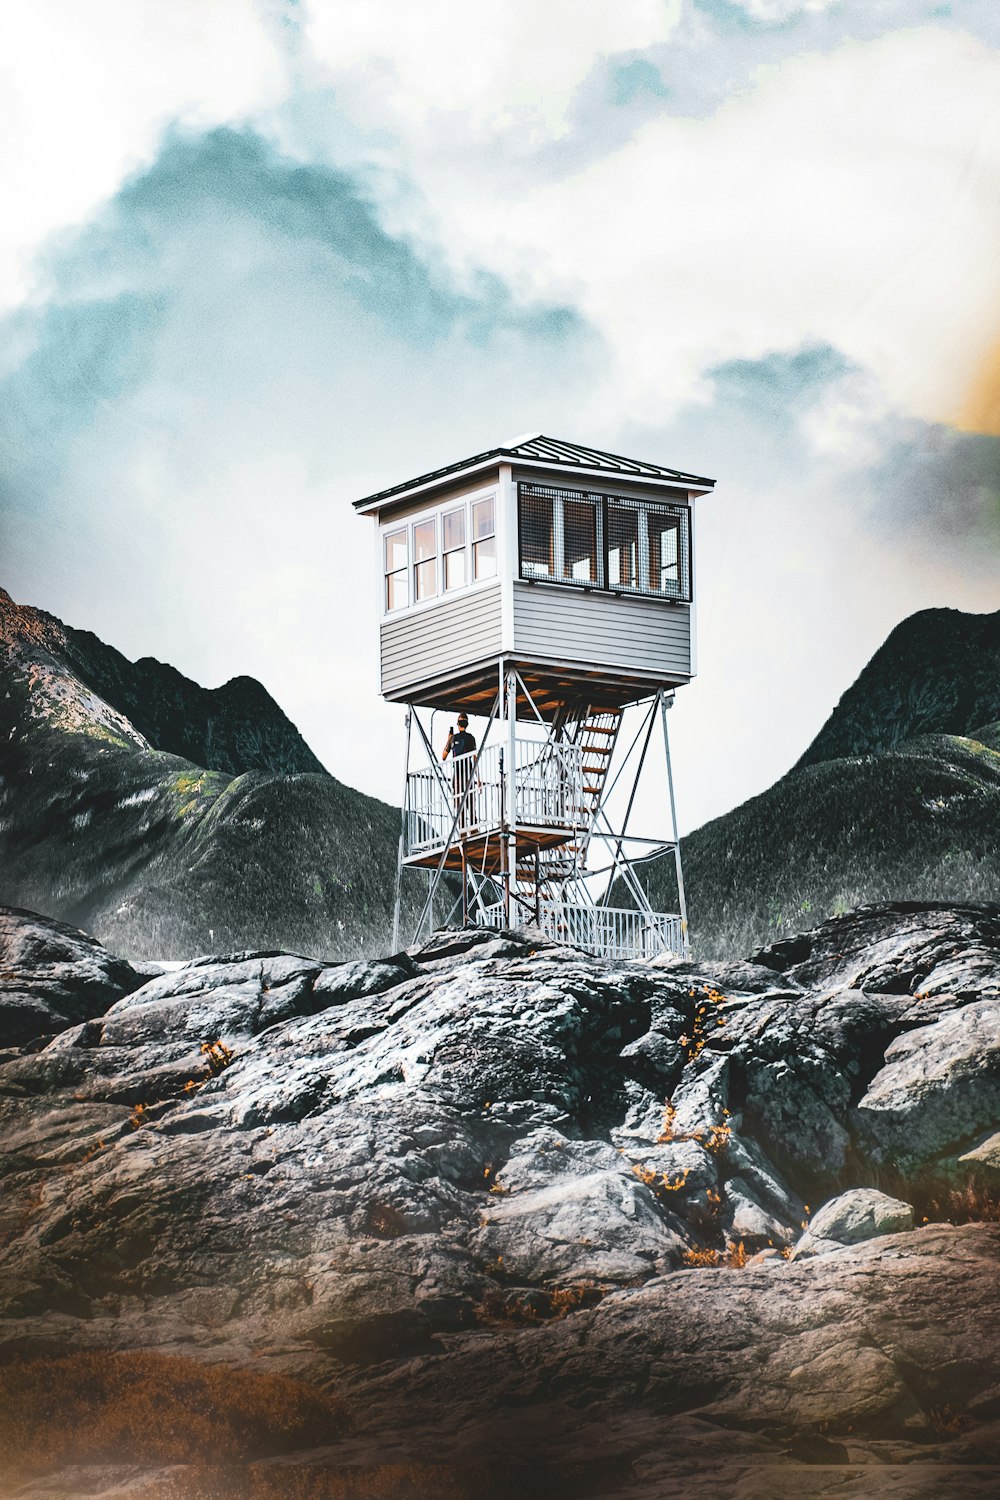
x=933, y=489
x=720, y=44
x=230, y=305
x=230, y=353
x=943, y=485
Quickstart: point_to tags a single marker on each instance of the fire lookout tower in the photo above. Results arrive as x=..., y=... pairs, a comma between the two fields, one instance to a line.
x=543, y=588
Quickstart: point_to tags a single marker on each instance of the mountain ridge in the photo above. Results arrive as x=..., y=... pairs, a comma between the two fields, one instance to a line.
x=937, y=672
x=236, y=727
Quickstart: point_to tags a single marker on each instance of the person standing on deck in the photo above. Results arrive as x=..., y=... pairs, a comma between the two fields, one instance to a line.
x=459, y=745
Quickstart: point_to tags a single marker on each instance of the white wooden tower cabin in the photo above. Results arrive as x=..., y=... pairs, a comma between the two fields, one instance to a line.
x=542, y=588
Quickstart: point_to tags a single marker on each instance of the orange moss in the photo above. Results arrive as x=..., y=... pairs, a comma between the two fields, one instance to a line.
x=405, y=1481
x=139, y=1407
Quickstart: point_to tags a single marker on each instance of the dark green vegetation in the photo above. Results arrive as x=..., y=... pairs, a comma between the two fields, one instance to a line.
x=103, y=827
x=897, y=799
x=919, y=823
x=937, y=673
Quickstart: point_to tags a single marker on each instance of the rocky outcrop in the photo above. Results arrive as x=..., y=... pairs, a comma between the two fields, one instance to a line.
x=861, y=1214
x=494, y=1188
x=51, y=976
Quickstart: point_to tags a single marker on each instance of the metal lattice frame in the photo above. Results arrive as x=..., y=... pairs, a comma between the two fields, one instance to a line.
x=561, y=887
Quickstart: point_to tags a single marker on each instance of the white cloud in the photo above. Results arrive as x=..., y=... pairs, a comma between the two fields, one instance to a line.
x=86, y=90
x=846, y=198
x=782, y=10
x=502, y=68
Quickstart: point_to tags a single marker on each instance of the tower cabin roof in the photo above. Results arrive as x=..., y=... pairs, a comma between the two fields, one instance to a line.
x=543, y=452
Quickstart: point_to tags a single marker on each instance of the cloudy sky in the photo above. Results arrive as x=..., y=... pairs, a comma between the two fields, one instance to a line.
x=260, y=257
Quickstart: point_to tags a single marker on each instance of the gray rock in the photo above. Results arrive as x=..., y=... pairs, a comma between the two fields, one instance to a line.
x=52, y=975
x=939, y=1088
x=747, y=1222
x=983, y=1159
x=861, y=1214
x=573, y=1211
x=445, y=1184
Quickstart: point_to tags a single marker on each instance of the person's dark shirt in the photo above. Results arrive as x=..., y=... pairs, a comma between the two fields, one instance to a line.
x=462, y=743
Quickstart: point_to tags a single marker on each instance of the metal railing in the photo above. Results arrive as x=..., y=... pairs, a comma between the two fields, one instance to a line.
x=547, y=785
x=608, y=931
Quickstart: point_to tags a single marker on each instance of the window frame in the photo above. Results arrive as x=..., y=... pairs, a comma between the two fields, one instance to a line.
x=433, y=560
x=644, y=507
x=463, y=548
x=389, y=573
x=436, y=514
x=476, y=541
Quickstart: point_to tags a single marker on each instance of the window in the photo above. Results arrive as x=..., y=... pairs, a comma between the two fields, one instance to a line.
x=623, y=547
x=484, y=539
x=425, y=559
x=536, y=516
x=396, y=593
x=453, y=549
x=636, y=546
x=560, y=535
x=579, y=549
x=664, y=552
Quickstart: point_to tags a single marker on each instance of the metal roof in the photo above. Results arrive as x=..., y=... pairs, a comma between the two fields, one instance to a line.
x=541, y=449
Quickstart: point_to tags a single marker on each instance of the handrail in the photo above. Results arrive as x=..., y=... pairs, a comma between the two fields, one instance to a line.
x=548, y=793
x=618, y=933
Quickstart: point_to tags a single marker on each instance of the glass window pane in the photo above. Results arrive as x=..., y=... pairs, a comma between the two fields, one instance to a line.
x=454, y=530
x=395, y=590
x=484, y=557
x=580, y=540
x=537, y=536
x=425, y=579
x=623, y=547
x=395, y=550
x=483, y=519
x=664, y=554
x=424, y=541
x=454, y=569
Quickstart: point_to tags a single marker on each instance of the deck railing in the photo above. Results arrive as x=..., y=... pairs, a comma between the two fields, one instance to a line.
x=608, y=931
x=548, y=793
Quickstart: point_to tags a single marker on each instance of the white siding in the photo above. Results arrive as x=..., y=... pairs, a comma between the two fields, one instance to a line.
x=418, y=645
x=566, y=625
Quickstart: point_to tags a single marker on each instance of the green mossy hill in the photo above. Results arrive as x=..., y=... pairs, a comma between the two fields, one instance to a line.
x=918, y=823
x=937, y=673
x=160, y=855
x=160, y=858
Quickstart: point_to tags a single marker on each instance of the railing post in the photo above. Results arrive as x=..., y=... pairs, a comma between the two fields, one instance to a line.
x=512, y=811
x=398, y=893
x=681, y=902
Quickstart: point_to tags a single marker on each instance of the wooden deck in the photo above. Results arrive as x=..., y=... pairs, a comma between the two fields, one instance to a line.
x=551, y=687
x=482, y=849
